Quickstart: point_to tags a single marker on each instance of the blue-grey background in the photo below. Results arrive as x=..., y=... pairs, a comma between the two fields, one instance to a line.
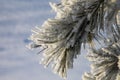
x=17, y=18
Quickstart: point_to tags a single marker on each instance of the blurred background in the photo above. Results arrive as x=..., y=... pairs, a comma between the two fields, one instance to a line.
x=17, y=18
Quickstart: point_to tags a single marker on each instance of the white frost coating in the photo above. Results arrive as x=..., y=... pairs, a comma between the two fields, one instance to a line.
x=88, y=76
x=76, y=22
x=105, y=63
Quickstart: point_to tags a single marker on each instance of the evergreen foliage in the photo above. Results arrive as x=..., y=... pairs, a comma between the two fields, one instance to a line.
x=105, y=63
x=77, y=23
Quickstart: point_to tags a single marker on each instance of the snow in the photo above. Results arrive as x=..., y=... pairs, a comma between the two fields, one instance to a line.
x=17, y=18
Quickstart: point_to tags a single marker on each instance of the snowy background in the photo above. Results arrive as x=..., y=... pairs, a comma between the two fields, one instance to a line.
x=17, y=18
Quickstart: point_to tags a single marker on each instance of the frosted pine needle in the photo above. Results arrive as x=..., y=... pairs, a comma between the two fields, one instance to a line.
x=76, y=22
x=105, y=63
x=88, y=76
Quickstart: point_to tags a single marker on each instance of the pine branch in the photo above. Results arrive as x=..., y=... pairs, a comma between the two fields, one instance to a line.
x=76, y=23
x=105, y=63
